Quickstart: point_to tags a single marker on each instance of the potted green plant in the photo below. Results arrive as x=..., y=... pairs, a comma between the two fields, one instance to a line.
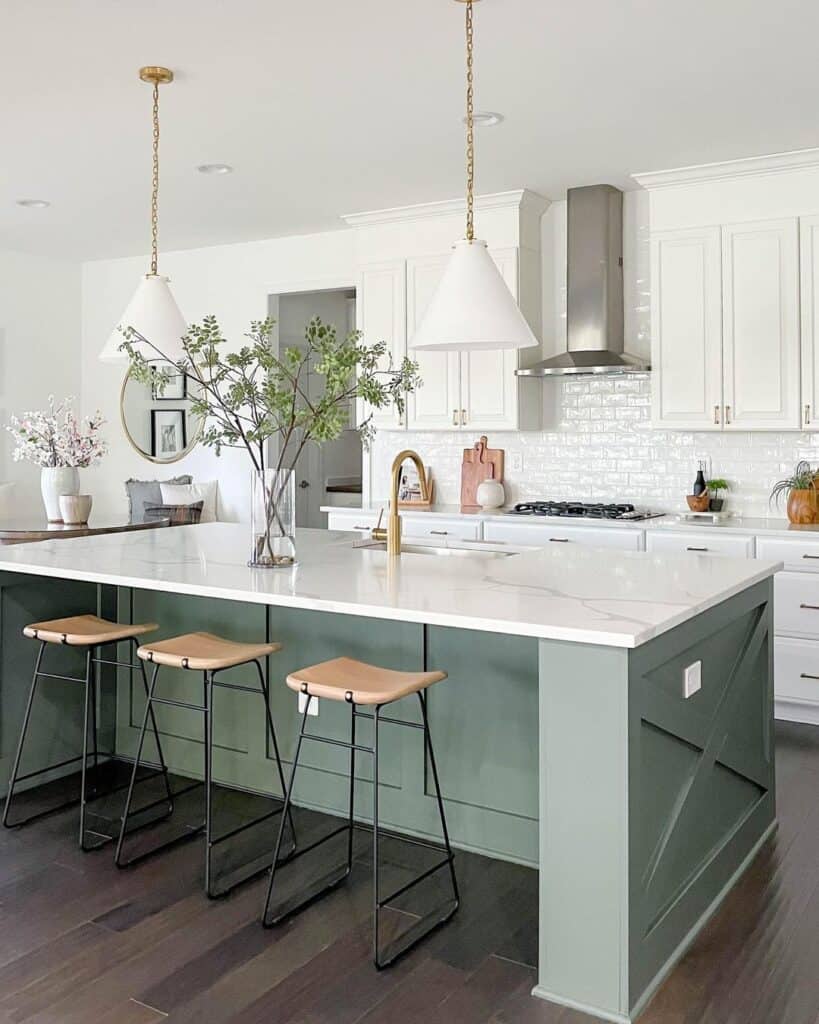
x=715, y=489
x=800, y=488
x=250, y=396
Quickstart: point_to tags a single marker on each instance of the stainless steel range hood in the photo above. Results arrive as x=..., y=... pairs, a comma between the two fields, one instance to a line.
x=594, y=295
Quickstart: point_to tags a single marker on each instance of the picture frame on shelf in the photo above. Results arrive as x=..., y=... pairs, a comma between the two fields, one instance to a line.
x=168, y=433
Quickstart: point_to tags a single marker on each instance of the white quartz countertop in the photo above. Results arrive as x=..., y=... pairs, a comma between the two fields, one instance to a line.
x=748, y=525
x=618, y=599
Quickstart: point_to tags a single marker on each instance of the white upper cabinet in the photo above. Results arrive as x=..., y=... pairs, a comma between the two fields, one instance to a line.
x=381, y=313
x=686, y=314
x=437, y=404
x=809, y=291
x=760, y=307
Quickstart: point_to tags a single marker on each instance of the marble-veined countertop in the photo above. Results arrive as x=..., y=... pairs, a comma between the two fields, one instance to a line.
x=612, y=598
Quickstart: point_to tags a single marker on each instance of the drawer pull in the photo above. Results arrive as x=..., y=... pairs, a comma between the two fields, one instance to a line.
x=811, y=556
x=810, y=607
x=558, y=540
x=807, y=675
x=696, y=549
x=361, y=527
x=439, y=533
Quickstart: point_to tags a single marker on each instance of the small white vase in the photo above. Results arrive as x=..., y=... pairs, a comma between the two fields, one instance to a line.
x=490, y=494
x=75, y=508
x=54, y=481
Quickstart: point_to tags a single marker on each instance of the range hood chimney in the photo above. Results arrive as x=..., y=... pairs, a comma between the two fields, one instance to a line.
x=594, y=296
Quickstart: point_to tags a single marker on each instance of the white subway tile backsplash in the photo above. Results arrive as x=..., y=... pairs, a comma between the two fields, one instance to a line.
x=604, y=448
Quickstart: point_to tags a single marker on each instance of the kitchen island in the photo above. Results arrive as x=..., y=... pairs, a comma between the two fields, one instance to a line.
x=607, y=716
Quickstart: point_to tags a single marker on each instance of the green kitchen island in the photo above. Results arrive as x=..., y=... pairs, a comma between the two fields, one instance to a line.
x=607, y=717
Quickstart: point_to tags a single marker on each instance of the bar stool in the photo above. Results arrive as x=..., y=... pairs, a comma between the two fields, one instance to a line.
x=91, y=633
x=208, y=654
x=358, y=683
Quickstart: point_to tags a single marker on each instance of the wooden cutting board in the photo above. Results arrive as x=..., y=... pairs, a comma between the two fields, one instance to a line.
x=480, y=463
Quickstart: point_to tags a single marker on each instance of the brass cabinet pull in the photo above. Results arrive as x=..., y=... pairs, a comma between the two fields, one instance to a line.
x=463, y=417
x=807, y=415
x=811, y=556
x=807, y=675
x=558, y=540
x=439, y=533
x=696, y=549
x=716, y=415
x=727, y=413
x=810, y=607
x=454, y=417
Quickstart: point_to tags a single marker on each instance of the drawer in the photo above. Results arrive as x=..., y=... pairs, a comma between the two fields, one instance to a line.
x=419, y=525
x=796, y=670
x=700, y=542
x=352, y=521
x=541, y=534
x=796, y=604
x=799, y=555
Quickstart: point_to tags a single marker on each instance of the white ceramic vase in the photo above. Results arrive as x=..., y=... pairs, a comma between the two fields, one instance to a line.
x=54, y=481
x=490, y=494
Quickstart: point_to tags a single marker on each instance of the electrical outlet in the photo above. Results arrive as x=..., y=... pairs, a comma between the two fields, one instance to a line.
x=692, y=679
x=516, y=462
x=314, y=709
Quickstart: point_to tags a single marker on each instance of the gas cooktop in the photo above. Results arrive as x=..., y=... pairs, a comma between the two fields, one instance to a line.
x=582, y=510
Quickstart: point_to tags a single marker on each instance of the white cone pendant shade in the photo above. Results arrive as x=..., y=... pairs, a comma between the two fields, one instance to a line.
x=472, y=307
x=152, y=312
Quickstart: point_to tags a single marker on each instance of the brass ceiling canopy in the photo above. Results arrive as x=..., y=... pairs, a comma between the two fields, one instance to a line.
x=156, y=75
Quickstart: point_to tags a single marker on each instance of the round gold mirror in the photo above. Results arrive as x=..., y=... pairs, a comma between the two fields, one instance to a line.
x=161, y=427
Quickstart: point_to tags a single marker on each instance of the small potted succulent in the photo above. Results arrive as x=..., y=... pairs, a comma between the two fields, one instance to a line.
x=800, y=488
x=715, y=489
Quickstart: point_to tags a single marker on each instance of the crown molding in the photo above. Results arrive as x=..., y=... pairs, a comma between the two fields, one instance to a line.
x=726, y=170
x=517, y=199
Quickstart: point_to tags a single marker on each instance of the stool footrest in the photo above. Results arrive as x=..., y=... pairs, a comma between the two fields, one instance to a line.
x=244, y=827
x=410, y=885
x=423, y=927
x=298, y=901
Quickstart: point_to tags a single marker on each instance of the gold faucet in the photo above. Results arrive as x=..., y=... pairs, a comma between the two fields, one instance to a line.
x=392, y=534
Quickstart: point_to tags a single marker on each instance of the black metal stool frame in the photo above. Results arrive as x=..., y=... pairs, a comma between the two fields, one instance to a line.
x=89, y=681
x=424, y=926
x=237, y=877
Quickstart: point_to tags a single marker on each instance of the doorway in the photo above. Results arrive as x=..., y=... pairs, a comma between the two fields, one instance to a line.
x=330, y=473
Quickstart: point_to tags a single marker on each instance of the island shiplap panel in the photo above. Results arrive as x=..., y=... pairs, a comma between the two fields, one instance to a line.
x=483, y=719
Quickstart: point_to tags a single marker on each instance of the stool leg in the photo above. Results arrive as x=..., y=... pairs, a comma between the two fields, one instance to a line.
x=155, y=729
x=89, y=721
x=428, y=744
x=272, y=730
x=351, y=817
x=21, y=741
x=376, y=887
x=207, y=691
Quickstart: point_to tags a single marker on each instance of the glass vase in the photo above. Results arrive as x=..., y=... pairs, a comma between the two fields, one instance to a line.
x=273, y=519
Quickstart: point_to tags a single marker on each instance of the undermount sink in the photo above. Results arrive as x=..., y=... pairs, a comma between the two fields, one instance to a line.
x=429, y=549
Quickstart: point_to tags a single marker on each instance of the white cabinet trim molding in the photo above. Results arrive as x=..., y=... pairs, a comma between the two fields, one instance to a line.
x=515, y=199
x=726, y=170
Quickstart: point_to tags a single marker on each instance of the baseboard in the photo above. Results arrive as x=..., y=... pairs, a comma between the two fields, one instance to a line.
x=796, y=711
x=539, y=992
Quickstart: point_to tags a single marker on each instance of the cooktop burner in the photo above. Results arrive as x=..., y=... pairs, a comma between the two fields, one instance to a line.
x=582, y=510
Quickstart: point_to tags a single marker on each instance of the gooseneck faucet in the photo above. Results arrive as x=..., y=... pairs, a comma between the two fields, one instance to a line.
x=392, y=534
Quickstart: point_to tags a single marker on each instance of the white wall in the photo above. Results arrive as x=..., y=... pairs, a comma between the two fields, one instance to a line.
x=233, y=283
x=39, y=354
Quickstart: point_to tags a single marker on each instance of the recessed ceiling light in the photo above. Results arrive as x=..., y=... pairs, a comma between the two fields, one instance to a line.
x=215, y=169
x=34, y=204
x=486, y=119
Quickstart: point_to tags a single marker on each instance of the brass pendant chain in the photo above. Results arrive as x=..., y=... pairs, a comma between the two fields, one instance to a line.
x=470, y=128
x=155, y=182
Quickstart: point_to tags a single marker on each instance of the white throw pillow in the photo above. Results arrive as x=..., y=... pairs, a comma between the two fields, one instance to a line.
x=187, y=494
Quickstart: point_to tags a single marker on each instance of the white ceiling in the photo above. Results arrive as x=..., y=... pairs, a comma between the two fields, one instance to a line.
x=334, y=106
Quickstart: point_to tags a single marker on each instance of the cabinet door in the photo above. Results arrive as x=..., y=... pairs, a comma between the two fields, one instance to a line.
x=760, y=328
x=381, y=314
x=436, y=405
x=489, y=387
x=809, y=291
x=686, y=328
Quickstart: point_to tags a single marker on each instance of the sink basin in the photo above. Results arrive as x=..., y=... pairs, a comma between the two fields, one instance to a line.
x=429, y=549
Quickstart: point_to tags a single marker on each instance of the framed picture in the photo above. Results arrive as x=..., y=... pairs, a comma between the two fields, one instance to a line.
x=168, y=433
x=175, y=389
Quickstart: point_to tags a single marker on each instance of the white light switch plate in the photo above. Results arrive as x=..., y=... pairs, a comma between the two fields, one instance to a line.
x=515, y=464
x=692, y=679
x=314, y=706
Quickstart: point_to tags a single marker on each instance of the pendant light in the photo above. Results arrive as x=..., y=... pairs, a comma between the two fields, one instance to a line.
x=153, y=311
x=472, y=307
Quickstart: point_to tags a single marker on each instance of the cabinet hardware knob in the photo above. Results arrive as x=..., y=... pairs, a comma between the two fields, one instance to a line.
x=463, y=417
x=727, y=413
x=810, y=607
x=439, y=533
x=454, y=417
x=696, y=549
x=807, y=675
x=807, y=415
x=716, y=414
x=558, y=540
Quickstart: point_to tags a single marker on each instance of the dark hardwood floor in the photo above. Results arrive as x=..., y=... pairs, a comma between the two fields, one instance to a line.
x=82, y=942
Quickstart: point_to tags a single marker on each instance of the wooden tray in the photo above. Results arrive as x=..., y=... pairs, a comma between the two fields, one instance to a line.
x=479, y=463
